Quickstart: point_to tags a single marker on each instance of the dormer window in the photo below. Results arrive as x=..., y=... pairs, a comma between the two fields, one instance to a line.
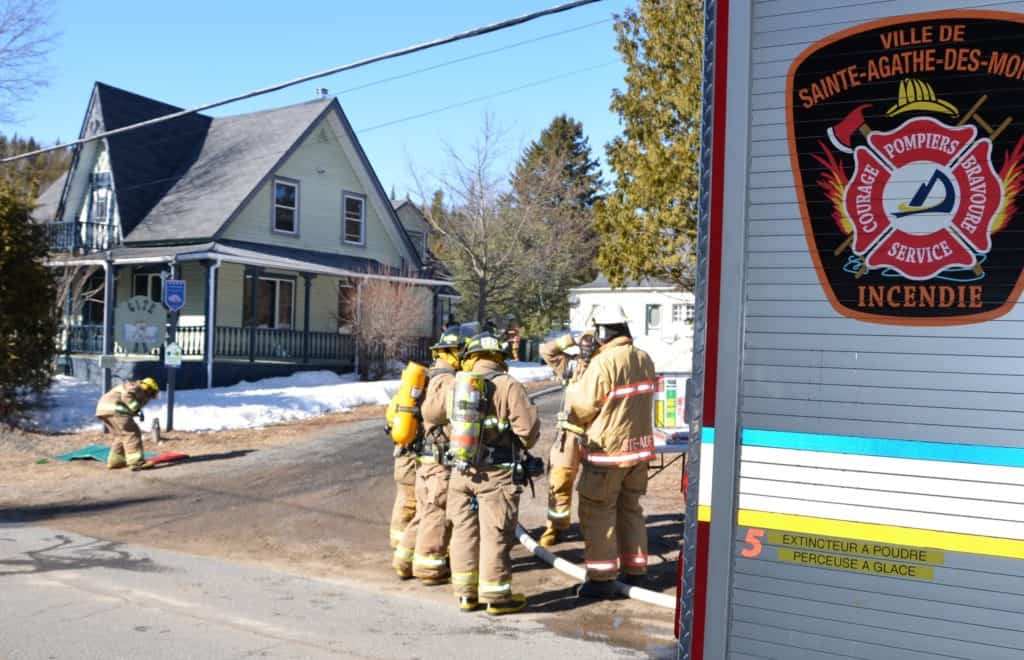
x=286, y=206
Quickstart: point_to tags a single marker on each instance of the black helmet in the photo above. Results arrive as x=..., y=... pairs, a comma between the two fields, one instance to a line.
x=450, y=338
x=485, y=342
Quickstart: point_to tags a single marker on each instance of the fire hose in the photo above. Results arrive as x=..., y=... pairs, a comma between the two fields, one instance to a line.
x=578, y=573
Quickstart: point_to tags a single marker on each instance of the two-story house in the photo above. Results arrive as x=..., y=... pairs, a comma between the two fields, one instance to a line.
x=268, y=216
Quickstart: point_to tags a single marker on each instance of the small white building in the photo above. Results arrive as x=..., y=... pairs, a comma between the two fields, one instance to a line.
x=660, y=317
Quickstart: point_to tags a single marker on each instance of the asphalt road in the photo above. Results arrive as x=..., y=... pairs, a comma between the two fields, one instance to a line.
x=76, y=597
x=318, y=506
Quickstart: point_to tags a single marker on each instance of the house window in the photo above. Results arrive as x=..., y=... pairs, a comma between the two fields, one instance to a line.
x=689, y=313
x=286, y=206
x=275, y=303
x=148, y=284
x=100, y=206
x=677, y=313
x=653, y=318
x=354, y=208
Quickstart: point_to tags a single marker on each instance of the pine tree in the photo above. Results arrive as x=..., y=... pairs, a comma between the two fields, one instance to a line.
x=647, y=224
x=559, y=178
x=28, y=324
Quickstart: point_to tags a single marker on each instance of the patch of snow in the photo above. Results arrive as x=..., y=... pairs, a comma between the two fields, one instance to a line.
x=72, y=402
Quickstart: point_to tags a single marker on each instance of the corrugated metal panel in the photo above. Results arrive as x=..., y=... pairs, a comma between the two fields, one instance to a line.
x=810, y=372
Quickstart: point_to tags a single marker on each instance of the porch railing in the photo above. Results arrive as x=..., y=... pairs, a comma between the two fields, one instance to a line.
x=270, y=344
x=74, y=236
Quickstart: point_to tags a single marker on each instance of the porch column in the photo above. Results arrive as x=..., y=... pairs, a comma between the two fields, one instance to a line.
x=109, y=299
x=308, y=281
x=209, y=352
x=254, y=273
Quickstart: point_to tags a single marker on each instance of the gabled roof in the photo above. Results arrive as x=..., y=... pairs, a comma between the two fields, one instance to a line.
x=146, y=162
x=185, y=179
x=238, y=152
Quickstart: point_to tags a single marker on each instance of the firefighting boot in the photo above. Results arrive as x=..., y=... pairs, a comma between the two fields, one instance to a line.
x=591, y=589
x=515, y=603
x=468, y=604
x=550, y=537
x=115, y=461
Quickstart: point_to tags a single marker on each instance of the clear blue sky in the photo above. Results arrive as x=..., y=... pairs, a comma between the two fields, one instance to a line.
x=190, y=52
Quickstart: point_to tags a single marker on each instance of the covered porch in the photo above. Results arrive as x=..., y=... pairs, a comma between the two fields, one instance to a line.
x=250, y=312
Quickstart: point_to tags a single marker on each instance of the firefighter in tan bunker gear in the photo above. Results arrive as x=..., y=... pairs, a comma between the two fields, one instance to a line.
x=568, y=359
x=117, y=410
x=613, y=400
x=483, y=496
x=422, y=551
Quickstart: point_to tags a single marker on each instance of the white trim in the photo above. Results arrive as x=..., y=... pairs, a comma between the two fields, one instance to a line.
x=277, y=299
x=211, y=322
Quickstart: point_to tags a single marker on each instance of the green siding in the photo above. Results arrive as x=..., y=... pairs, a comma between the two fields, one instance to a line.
x=319, y=204
x=230, y=286
x=322, y=313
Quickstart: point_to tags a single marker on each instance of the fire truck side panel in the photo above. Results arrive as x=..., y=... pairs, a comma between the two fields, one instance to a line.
x=874, y=460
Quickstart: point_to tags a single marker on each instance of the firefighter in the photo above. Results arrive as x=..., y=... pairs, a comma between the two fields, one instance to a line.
x=404, y=508
x=422, y=551
x=613, y=401
x=483, y=495
x=563, y=460
x=117, y=410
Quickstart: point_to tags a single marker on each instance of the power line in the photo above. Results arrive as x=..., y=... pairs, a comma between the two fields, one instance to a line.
x=468, y=34
x=475, y=55
x=486, y=97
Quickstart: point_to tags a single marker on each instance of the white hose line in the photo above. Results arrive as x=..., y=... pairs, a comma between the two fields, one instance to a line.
x=579, y=574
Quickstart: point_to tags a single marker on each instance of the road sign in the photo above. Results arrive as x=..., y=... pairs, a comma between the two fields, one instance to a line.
x=174, y=294
x=172, y=355
x=141, y=325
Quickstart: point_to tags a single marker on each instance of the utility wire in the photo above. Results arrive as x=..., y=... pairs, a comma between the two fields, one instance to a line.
x=486, y=97
x=474, y=56
x=468, y=34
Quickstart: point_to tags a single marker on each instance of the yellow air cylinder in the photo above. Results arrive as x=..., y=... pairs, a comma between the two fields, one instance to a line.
x=404, y=407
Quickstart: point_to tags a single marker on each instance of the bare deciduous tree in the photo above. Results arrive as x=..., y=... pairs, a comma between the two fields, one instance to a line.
x=391, y=316
x=491, y=237
x=26, y=39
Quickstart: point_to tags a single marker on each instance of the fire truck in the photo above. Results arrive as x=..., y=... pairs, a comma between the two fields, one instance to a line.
x=855, y=472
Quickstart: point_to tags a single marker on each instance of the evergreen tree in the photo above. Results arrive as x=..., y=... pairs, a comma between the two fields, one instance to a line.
x=647, y=223
x=31, y=176
x=558, y=178
x=28, y=323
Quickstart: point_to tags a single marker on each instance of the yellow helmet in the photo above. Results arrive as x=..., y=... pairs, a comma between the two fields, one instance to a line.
x=150, y=384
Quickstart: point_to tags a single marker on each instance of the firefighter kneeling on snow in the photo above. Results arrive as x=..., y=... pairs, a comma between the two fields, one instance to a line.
x=493, y=423
x=613, y=401
x=422, y=551
x=117, y=409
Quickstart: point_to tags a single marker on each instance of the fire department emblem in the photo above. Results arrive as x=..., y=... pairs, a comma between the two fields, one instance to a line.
x=908, y=163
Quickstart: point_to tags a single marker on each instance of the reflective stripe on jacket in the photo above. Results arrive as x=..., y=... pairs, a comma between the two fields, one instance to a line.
x=614, y=401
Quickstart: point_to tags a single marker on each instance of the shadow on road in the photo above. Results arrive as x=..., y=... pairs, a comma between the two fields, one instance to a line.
x=203, y=458
x=38, y=512
x=67, y=555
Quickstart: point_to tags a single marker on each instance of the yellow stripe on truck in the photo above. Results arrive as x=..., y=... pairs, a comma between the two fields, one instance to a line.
x=909, y=536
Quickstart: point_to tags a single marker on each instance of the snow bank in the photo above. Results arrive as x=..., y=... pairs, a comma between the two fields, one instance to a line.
x=72, y=402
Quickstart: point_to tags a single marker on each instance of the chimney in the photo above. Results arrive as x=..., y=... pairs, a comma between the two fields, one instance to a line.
x=321, y=92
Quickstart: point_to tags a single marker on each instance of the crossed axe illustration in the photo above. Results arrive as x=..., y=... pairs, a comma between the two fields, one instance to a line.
x=841, y=136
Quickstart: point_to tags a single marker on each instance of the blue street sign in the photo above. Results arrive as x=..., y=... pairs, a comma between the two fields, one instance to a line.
x=174, y=294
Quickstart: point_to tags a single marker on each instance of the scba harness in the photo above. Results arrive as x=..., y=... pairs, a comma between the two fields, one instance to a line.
x=472, y=397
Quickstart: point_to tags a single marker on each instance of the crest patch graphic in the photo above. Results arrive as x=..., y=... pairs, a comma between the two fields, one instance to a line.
x=906, y=138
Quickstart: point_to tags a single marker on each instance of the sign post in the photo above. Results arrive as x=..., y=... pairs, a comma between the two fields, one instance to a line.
x=174, y=300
